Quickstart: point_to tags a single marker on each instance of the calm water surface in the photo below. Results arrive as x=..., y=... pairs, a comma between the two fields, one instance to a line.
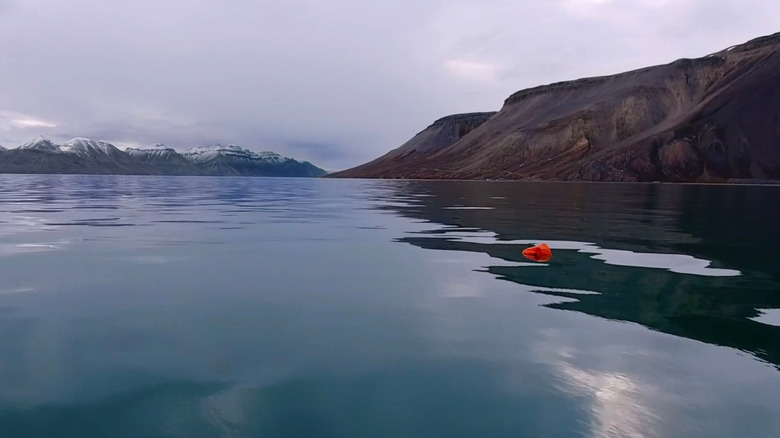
x=250, y=307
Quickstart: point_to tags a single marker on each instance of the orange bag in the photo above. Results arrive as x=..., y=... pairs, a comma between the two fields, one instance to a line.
x=538, y=253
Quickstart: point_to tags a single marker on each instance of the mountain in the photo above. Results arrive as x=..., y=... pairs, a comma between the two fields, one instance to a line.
x=41, y=144
x=715, y=118
x=235, y=160
x=164, y=159
x=2, y=149
x=86, y=156
x=91, y=149
x=414, y=153
x=79, y=155
x=154, y=152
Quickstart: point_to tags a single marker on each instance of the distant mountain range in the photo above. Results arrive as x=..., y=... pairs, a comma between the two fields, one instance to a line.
x=715, y=118
x=85, y=156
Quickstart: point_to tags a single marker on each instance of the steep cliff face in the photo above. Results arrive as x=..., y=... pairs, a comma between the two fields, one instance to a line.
x=709, y=119
x=441, y=134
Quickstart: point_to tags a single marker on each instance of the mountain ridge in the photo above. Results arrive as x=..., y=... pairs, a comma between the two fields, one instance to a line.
x=706, y=119
x=84, y=156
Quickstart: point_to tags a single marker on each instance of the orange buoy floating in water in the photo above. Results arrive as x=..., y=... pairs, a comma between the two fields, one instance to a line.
x=538, y=253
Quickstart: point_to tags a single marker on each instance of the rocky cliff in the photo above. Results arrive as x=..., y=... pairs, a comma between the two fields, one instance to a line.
x=715, y=118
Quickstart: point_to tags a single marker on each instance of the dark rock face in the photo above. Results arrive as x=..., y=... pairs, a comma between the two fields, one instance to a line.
x=83, y=156
x=715, y=118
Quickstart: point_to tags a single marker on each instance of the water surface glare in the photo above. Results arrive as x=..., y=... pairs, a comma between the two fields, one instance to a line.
x=254, y=307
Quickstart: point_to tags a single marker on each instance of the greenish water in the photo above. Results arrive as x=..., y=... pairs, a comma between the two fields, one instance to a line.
x=252, y=307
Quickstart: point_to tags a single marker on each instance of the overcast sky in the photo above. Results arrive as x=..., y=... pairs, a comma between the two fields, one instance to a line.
x=337, y=82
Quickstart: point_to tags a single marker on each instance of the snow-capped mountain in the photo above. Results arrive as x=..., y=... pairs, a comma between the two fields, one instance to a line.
x=2, y=149
x=79, y=155
x=87, y=148
x=78, y=146
x=164, y=159
x=206, y=153
x=82, y=155
x=235, y=160
x=41, y=144
x=203, y=154
x=154, y=151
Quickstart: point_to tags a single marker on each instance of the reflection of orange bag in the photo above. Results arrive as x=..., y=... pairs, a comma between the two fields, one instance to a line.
x=538, y=253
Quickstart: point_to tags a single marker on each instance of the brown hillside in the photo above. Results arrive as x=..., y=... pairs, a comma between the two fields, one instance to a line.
x=714, y=118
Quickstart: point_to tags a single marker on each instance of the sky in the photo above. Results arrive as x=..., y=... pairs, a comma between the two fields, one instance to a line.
x=335, y=82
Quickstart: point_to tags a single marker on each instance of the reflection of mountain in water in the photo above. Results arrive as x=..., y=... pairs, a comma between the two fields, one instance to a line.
x=733, y=227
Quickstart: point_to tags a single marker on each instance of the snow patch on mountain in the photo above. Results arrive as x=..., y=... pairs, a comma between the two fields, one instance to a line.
x=41, y=144
x=207, y=153
x=151, y=151
x=153, y=147
x=273, y=156
x=88, y=148
x=78, y=146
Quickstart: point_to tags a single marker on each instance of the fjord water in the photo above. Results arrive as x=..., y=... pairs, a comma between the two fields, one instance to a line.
x=232, y=307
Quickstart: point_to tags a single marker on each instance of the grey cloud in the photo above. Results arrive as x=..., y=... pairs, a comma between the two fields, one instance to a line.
x=5, y=7
x=337, y=83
